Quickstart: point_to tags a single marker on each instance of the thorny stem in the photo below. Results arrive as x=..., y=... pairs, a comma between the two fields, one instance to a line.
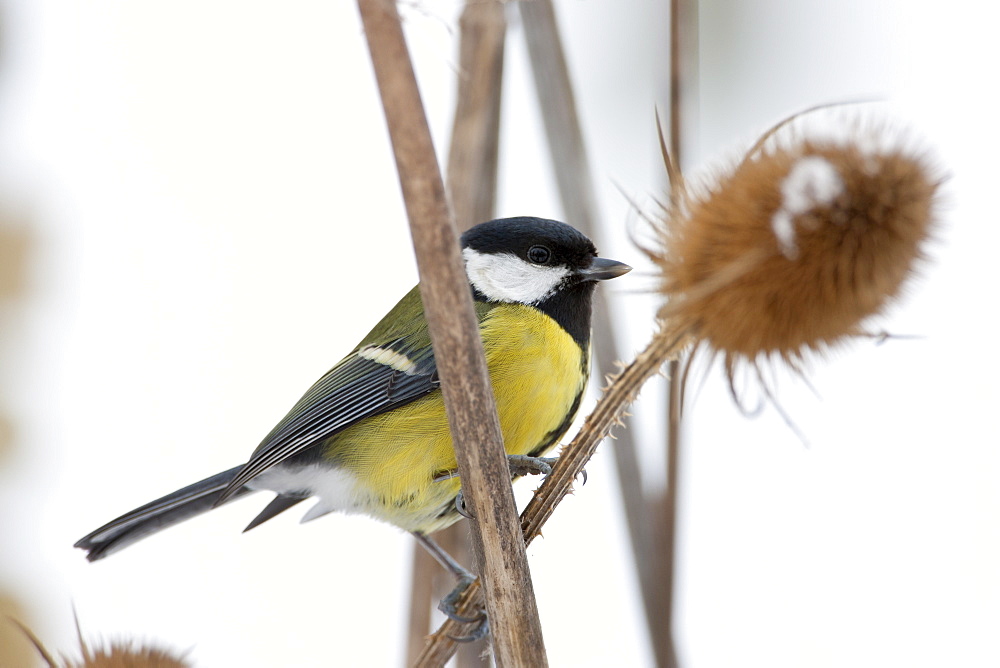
x=622, y=391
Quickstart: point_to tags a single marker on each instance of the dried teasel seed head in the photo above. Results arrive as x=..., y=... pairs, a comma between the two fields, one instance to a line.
x=119, y=654
x=795, y=247
x=127, y=655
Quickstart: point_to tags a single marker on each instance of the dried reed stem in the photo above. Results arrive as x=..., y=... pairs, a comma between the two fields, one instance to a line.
x=423, y=574
x=454, y=330
x=475, y=134
x=660, y=520
x=472, y=187
x=573, y=176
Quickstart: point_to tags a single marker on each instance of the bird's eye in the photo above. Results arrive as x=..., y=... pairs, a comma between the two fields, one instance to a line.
x=539, y=254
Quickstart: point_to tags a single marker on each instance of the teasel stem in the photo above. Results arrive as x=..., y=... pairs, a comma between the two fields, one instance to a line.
x=667, y=344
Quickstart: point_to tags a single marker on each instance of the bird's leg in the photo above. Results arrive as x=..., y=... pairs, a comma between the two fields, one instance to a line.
x=448, y=604
x=519, y=465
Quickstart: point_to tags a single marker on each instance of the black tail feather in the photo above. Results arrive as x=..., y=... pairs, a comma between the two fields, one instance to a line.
x=157, y=515
x=279, y=504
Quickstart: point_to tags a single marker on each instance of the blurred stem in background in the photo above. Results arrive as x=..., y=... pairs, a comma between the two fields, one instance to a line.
x=651, y=518
x=17, y=248
x=472, y=185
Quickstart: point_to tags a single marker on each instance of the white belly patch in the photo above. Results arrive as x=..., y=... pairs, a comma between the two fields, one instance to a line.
x=337, y=489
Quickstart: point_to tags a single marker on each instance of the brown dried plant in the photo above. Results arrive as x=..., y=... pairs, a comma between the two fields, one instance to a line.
x=790, y=252
x=117, y=654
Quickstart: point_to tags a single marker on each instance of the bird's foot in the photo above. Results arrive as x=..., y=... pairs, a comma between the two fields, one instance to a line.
x=449, y=606
x=526, y=465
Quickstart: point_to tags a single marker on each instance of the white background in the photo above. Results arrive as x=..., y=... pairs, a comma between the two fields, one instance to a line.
x=213, y=219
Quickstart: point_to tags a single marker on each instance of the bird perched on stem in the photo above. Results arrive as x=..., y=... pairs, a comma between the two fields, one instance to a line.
x=371, y=436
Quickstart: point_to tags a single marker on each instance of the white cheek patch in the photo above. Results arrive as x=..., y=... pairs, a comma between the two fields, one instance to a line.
x=507, y=278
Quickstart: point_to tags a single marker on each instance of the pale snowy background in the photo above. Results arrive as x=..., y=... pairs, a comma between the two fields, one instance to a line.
x=213, y=219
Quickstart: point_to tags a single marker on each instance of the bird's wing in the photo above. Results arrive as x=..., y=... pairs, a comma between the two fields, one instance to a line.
x=391, y=367
x=355, y=389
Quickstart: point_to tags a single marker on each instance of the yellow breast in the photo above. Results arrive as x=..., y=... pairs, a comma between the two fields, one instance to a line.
x=538, y=374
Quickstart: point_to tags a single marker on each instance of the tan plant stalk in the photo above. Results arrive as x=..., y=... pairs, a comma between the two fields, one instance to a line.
x=572, y=172
x=472, y=187
x=468, y=397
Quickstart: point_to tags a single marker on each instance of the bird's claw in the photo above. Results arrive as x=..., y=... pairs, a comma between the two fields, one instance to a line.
x=526, y=465
x=449, y=606
x=481, y=631
x=460, y=506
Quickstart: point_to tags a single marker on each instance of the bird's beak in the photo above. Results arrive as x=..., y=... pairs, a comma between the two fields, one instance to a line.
x=601, y=269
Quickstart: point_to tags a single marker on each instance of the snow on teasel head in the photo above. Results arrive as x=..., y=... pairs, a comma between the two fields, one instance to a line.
x=791, y=250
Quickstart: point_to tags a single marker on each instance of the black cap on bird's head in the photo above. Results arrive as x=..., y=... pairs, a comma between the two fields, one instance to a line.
x=543, y=263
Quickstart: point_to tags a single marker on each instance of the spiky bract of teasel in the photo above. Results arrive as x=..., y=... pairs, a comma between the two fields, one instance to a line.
x=127, y=655
x=119, y=654
x=790, y=251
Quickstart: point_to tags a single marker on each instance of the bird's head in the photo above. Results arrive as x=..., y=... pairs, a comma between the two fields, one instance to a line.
x=532, y=260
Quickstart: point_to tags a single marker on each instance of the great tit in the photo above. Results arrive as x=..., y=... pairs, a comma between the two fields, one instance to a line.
x=371, y=436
